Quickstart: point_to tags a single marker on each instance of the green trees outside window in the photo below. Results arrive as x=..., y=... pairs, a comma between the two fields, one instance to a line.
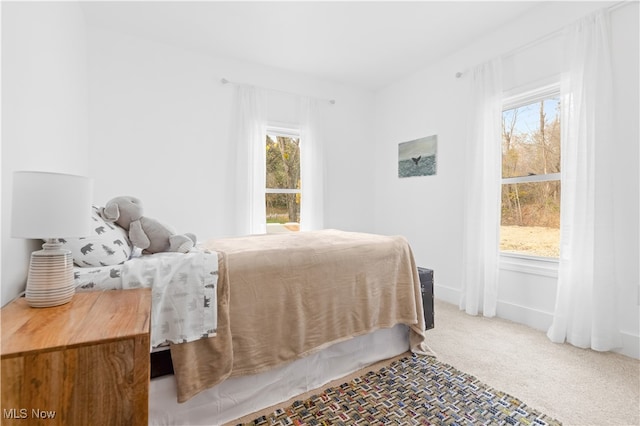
x=282, y=197
x=530, y=215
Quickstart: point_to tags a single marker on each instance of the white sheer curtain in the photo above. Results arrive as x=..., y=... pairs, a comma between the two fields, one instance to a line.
x=585, y=312
x=312, y=166
x=249, y=130
x=482, y=192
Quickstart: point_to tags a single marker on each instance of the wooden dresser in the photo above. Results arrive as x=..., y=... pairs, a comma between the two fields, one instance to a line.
x=82, y=363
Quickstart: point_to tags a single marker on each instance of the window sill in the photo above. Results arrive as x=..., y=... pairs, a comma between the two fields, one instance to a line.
x=545, y=266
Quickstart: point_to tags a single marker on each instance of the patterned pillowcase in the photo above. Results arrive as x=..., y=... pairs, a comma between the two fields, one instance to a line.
x=108, y=244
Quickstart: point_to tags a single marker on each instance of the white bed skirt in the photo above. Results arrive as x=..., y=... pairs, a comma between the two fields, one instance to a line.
x=239, y=396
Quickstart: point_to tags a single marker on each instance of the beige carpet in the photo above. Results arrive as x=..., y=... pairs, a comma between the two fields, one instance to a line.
x=576, y=386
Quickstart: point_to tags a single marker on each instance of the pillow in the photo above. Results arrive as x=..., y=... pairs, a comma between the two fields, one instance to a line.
x=107, y=245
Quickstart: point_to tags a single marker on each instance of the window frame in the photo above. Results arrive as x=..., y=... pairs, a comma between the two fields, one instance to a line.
x=523, y=262
x=289, y=132
x=284, y=130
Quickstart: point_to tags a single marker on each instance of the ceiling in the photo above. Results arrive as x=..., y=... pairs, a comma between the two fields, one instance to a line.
x=364, y=44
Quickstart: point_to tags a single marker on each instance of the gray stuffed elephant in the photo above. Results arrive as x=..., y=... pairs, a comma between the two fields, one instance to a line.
x=145, y=233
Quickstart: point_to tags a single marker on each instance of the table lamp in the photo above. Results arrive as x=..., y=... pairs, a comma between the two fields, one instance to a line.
x=49, y=206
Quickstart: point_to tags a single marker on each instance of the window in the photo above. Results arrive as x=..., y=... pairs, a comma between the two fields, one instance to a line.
x=282, y=192
x=530, y=213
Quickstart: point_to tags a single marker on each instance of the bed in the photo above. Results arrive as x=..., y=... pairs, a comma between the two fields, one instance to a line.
x=292, y=312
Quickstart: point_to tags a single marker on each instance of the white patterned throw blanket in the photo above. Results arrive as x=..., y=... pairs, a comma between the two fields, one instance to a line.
x=183, y=289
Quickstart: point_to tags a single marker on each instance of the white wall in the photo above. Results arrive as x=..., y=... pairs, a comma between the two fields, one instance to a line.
x=428, y=210
x=44, y=109
x=160, y=123
x=155, y=124
x=626, y=65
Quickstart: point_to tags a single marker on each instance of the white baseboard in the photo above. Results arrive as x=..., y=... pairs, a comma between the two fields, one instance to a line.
x=521, y=314
x=630, y=345
x=446, y=294
x=534, y=318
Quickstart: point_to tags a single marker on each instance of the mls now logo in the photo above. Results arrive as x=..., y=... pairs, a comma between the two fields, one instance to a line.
x=23, y=413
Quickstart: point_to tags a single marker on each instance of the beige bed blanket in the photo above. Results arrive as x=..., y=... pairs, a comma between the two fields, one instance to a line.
x=284, y=296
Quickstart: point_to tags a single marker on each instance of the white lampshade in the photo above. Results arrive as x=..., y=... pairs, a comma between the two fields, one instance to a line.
x=49, y=206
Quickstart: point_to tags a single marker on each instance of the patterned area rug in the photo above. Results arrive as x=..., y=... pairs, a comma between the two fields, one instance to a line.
x=415, y=390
